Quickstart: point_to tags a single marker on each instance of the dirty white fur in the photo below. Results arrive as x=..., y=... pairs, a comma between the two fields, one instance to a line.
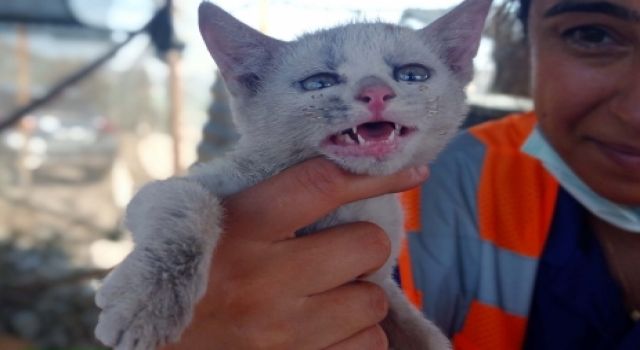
x=148, y=300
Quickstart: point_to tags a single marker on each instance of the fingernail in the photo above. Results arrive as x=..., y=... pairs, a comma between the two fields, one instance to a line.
x=421, y=171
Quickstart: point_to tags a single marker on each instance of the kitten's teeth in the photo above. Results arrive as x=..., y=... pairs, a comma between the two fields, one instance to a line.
x=391, y=137
x=397, y=128
x=349, y=140
x=345, y=138
x=361, y=140
x=354, y=130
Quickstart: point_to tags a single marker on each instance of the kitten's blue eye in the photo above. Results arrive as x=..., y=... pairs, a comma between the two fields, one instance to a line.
x=320, y=81
x=412, y=73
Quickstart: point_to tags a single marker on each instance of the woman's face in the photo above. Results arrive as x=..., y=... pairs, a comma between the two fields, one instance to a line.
x=586, y=88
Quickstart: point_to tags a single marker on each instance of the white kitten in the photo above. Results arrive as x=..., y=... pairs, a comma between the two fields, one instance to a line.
x=372, y=97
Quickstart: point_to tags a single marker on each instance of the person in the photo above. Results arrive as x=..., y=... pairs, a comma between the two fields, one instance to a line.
x=526, y=234
x=537, y=216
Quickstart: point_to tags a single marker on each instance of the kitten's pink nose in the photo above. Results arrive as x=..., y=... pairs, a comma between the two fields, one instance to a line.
x=376, y=95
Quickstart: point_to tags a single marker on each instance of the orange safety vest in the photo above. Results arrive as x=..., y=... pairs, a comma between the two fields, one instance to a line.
x=515, y=204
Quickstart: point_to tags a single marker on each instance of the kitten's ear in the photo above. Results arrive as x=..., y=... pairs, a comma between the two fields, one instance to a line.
x=240, y=51
x=457, y=35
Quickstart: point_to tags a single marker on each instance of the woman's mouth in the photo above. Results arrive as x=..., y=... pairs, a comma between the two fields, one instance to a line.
x=622, y=154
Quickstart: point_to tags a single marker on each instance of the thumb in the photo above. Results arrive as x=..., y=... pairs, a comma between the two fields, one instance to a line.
x=275, y=209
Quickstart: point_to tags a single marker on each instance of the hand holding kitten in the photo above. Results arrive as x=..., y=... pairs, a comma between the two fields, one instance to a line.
x=305, y=285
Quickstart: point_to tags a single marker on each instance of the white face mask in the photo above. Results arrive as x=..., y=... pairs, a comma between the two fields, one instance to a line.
x=621, y=216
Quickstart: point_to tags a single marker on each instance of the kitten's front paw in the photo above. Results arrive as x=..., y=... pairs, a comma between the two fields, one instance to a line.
x=146, y=303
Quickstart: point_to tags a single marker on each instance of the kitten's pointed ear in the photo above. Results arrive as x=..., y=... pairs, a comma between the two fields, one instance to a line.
x=240, y=51
x=457, y=35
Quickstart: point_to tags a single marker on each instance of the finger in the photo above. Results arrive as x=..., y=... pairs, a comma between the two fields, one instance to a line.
x=306, y=192
x=372, y=338
x=344, y=312
x=354, y=249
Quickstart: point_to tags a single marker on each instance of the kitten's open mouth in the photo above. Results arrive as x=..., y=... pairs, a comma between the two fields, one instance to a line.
x=369, y=139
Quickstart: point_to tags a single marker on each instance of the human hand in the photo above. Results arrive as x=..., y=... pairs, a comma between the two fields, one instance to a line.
x=270, y=291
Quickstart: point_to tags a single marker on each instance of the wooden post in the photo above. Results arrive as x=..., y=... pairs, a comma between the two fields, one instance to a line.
x=176, y=92
x=22, y=55
x=176, y=107
x=23, y=96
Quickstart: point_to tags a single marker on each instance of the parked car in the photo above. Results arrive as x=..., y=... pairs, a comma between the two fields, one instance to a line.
x=58, y=141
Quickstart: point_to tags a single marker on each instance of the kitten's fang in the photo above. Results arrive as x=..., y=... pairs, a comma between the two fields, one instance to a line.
x=371, y=138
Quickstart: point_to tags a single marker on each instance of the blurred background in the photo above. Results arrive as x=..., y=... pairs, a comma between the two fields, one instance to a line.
x=98, y=97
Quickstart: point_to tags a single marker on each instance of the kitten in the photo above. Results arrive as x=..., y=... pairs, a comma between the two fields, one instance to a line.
x=372, y=97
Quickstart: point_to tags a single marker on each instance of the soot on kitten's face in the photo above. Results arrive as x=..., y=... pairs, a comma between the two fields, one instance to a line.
x=372, y=97
x=378, y=137
x=371, y=113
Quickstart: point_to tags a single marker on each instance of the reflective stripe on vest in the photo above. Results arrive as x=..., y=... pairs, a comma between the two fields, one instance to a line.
x=515, y=201
x=411, y=204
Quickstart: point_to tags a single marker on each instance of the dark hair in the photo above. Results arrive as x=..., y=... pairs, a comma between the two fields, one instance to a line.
x=523, y=13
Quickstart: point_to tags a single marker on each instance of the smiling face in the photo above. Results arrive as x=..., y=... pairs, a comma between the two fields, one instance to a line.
x=586, y=85
x=372, y=97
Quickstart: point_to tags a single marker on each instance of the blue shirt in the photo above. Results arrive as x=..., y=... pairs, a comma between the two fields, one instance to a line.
x=576, y=303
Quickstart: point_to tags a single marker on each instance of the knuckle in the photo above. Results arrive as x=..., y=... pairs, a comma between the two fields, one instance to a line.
x=378, y=339
x=241, y=309
x=270, y=336
x=377, y=302
x=258, y=316
x=241, y=303
x=374, y=239
x=260, y=329
x=323, y=178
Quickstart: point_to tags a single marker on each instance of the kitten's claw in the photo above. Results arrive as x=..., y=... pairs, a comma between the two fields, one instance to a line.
x=141, y=308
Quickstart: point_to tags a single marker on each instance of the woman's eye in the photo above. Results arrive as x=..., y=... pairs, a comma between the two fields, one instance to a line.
x=412, y=73
x=319, y=81
x=589, y=37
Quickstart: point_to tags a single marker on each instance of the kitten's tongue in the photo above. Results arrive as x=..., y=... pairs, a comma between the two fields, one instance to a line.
x=376, y=131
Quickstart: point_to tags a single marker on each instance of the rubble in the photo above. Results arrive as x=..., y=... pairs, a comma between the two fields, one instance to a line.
x=45, y=299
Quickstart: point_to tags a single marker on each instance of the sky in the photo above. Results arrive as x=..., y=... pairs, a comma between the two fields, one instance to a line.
x=287, y=19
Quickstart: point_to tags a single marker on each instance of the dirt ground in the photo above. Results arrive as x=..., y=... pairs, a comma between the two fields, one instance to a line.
x=59, y=235
x=47, y=272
